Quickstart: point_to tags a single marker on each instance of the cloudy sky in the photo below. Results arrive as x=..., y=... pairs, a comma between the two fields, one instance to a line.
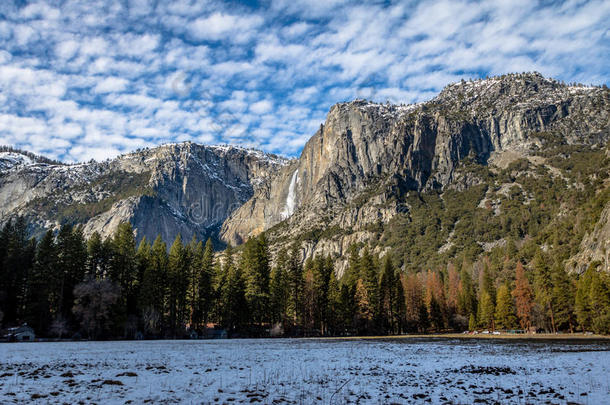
x=84, y=79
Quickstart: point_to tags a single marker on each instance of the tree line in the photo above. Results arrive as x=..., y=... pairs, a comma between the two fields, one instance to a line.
x=66, y=285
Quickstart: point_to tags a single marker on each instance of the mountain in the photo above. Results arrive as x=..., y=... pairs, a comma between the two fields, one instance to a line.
x=487, y=164
x=186, y=189
x=360, y=172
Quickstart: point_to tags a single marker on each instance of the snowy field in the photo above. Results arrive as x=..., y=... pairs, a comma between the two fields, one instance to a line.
x=307, y=371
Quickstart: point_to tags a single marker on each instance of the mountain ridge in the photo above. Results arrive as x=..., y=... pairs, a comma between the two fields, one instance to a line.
x=357, y=172
x=364, y=145
x=191, y=186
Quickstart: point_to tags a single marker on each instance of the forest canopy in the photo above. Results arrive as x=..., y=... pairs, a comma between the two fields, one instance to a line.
x=65, y=285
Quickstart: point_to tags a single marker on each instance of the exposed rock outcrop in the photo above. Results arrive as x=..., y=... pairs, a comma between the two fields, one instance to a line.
x=351, y=175
x=595, y=247
x=366, y=154
x=185, y=189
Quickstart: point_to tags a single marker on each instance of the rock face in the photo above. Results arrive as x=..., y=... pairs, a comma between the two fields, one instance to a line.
x=366, y=154
x=595, y=247
x=352, y=174
x=185, y=189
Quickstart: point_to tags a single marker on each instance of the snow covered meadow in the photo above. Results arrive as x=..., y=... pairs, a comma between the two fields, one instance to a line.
x=307, y=371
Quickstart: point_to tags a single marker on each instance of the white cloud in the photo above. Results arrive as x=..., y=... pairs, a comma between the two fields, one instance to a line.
x=137, y=101
x=224, y=26
x=110, y=85
x=23, y=34
x=67, y=49
x=40, y=10
x=136, y=45
x=84, y=80
x=261, y=107
x=304, y=95
x=297, y=29
x=93, y=46
x=12, y=126
x=85, y=153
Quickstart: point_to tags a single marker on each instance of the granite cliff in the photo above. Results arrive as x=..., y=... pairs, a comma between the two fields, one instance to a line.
x=185, y=189
x=363, y=170
x=362, y=162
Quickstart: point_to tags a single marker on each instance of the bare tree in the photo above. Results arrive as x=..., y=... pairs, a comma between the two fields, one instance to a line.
x=93, y=304
x=151, y=318
x=131, y=327
x=59, y=326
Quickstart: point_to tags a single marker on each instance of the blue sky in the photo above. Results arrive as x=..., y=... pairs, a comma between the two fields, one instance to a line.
x=84, y=79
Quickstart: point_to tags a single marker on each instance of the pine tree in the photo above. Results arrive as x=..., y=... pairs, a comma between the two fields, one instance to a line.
x=386, y=295
x=423, y=317
x=486, y=311
x=16, y=261
x=562, y=297
x=505, y=309
x=195, y=253
x=71, y=259
x=369, y=276
x=309, y=298
x=178, y=272
x=348, y=308
x=154, y=286
x=352, y=273
x=19, y=262
x=523, y=298
x=98, y=256
x=453, y=289
x=435, y=291
x=543, y=286
x=391, y=294
x=334, y=306
x=205, y=286
x=364, y=313
x=279, y=288
x=486, y=303
x=487, y=283
x=322, y=268
x=414, y=301
x=400, y=309
x=123, y=269
x=5, y=272
x=296, y=280
x=233, y=297
x=43, y=286
x=599, y=302
x=436, y=314
x=220, y=282
x=584, y=314
x=143, y=259
x=467, y=299
x=256, y=270
x=472, y=322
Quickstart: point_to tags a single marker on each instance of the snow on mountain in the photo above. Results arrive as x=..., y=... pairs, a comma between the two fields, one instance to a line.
x=11, y=160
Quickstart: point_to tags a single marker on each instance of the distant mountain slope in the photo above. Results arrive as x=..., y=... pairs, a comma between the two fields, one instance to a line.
x=363, y=165
x=484, y=165
x=183, y=189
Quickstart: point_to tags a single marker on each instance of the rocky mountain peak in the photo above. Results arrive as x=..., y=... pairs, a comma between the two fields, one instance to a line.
x=12, y=160
x=354, y=169
x=183, y=188
x=520, y=85
x=355, y=172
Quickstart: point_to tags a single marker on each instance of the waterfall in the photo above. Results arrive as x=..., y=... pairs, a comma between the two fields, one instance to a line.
x=291, y=198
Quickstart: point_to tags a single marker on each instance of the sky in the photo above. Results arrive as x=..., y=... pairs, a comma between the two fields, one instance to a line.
x=83, y=80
